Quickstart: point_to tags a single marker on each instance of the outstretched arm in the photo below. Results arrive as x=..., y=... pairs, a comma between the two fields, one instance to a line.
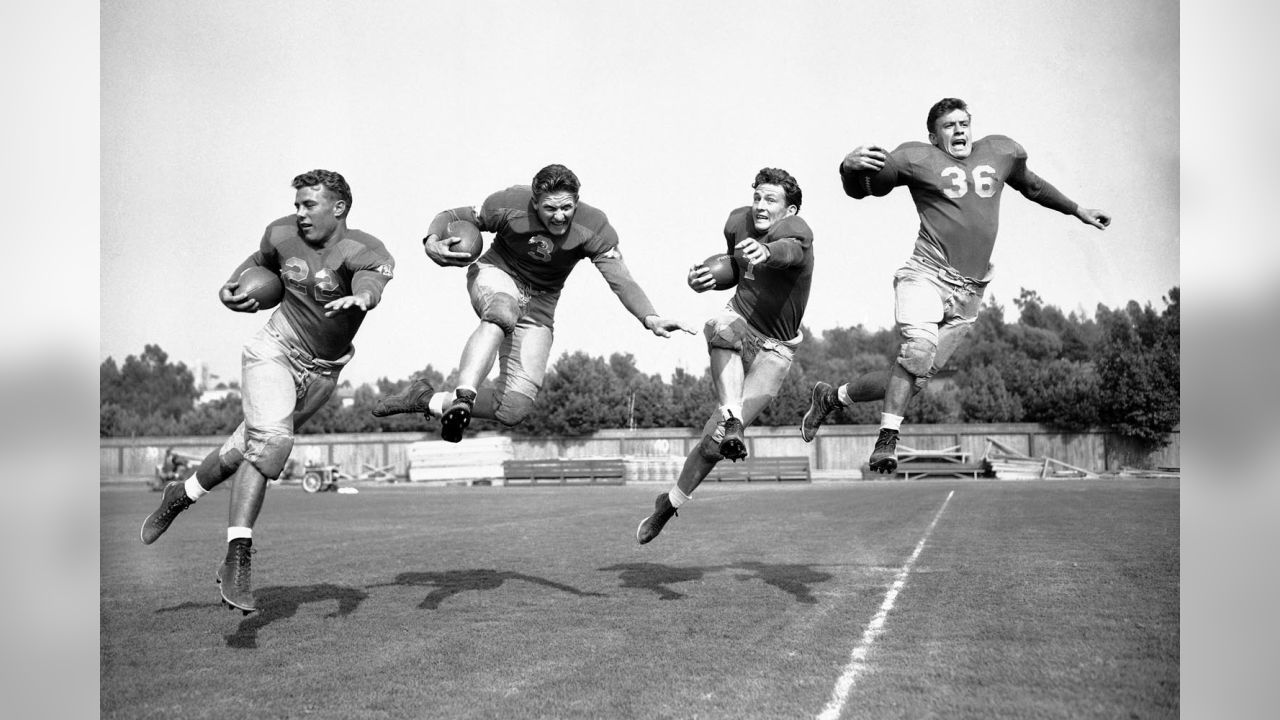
x=1039, y=190
x=633, y=297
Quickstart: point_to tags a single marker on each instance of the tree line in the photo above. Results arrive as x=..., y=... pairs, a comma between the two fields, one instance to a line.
x=1118, y=370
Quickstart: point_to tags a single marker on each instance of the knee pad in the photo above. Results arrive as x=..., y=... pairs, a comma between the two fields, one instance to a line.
x=220, y=465
x=512, y=408
x=724, y=332
x=916, y=356
x=710, y=448
x=502, y=310
x=269, y=451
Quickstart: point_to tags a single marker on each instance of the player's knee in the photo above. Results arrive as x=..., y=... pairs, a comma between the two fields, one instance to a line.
x=513, y=408
x=272, y=452
x=219, y=465
x=502, y=310
x=710, y=449
x=916, y=355
x=722, y=332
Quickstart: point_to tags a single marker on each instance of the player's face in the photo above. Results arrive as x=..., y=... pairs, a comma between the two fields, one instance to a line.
x=951, y=134
x=316, y=213
x=769, y=205
x=555, y=210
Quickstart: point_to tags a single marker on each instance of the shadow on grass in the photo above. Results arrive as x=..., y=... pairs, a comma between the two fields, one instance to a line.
x=448, y=583
x=280, y=603
x=793, y=579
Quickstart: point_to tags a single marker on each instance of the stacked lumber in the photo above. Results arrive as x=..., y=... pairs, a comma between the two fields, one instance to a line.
x=1009, y=464
x=441, y=463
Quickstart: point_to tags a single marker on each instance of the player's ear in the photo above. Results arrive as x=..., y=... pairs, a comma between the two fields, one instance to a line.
x=791, y=210
x=340, y=209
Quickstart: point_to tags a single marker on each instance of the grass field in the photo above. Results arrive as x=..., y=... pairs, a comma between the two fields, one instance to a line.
x=924, y=599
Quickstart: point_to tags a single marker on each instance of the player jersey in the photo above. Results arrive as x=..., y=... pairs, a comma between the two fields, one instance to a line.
x=524, y=247
x=958, y=199
x=356, y=262
x=774, y=299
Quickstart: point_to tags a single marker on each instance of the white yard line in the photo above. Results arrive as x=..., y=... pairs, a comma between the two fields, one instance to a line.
x=858, y=658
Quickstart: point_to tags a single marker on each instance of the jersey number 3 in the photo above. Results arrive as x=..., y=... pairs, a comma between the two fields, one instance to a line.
x=984, y=182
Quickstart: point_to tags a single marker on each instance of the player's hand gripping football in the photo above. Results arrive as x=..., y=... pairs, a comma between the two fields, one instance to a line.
x=441, y=251
x=1100, y=219
x=663, y=327
x=700, y=278
x=359, y=301
x=239, y=302
x=866, y=157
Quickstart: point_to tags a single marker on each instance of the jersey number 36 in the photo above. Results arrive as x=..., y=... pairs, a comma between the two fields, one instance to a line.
x=984, y=182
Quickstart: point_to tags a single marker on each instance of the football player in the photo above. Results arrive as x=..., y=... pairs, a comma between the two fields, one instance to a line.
x=332, y=275
x=956, y=183
x=541, y=232
x=753, y=341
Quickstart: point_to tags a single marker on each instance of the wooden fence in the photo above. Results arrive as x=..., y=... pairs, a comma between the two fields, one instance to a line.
x=838, y=451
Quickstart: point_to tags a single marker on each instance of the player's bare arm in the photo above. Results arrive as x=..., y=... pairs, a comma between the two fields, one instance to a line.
x=1100, y=219
x=441, y=251
x=663, y=326
x=239, y=302
x=866, y=157
x=360, y=301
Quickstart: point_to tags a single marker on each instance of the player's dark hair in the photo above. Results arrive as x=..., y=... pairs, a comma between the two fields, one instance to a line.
x=555, y=178
x=942, y=107
x=783, y=179
x=330, y=180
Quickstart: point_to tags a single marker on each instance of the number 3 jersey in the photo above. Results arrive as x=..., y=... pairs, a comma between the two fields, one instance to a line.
x=313, y=276
x=958, y=199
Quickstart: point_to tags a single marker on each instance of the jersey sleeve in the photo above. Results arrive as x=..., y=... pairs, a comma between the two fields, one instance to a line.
x=1032, y=186
x=265, y=256
x=788, y=242
x=602, y=248
x=371, y=269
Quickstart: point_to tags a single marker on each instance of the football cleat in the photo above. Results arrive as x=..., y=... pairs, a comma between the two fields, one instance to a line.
x=234, y=577
x=823, y=401
x=457, y=416
x=412, y=399
x=649, y=527
x=173, y=500
x=733, y=446
x=884, y=458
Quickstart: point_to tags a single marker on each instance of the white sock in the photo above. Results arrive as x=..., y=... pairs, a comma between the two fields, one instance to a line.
x=842, y=394
x=234, y=533
x=892, y=422
x=194, y=491
x=677, y=497
x=437, y=401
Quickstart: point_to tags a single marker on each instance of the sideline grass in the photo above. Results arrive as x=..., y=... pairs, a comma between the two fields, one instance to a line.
x=1031, y=599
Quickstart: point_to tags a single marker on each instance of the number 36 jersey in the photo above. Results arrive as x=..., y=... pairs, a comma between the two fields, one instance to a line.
x=958, y=199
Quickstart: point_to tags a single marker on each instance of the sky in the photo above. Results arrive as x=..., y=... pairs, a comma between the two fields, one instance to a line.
x=665, y=110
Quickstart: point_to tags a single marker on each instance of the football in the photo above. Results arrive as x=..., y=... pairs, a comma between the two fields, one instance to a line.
x=723, y=269
x=469, y=241
x=261, y=284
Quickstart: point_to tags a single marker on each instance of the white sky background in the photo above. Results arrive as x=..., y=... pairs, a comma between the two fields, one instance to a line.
x=665, y=110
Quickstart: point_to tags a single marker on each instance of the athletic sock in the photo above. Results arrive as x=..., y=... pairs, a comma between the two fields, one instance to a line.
x=436, y=404
x=728, y=411
x=889, y=421
x=677, y=497
x=842, y=394
x=236, y=533
x=194, y=491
